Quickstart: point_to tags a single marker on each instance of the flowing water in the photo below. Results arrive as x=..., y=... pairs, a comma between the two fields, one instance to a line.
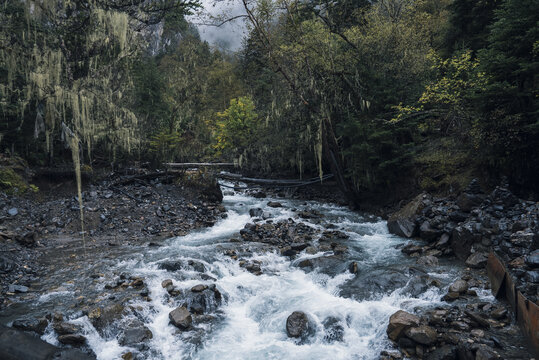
x=250, y=321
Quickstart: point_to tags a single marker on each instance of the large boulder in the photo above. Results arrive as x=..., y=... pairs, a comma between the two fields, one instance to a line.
x=36, y=325
x=101, y=318
x=459, y=286
x=399, y=322
x=463, y=238
x=424, y=335
x=135, y=334
x=16, y=345
x=297, y=325
x=477, y=260
x=428, y=232
x=404, y=221
x=181, y=317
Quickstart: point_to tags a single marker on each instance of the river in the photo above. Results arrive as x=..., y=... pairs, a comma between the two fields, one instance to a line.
x=348, y=312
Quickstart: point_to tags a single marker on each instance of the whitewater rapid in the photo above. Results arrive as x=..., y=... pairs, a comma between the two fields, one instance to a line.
x=250, y=322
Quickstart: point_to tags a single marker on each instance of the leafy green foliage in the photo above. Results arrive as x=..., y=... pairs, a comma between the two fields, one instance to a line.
x=236, y=126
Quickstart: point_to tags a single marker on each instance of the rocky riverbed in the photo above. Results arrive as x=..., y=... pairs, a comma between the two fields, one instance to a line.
x=258, y=276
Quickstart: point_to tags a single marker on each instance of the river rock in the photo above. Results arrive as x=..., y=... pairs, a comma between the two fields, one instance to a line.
x=72, y=339
x=462, y=239
x=532, y=260
x=429, y=233
x=424, y=335
x=403, y=222
x=297, y=325
x=6, y=265
x=477, y=260
x=274, y=204
x=103, y=317
x=333, y=329
x=459, y=286
x=445, y=352
x=63, y=328
x=16, y=344
x=181, y=317
x=427, y=260
x=256, y=212
x=135, y=334
x=199, y=288
x=14, y=288
x=532, y=276
x=399, y=322
x=485, y=352
x=35, y=325
x=166, y=283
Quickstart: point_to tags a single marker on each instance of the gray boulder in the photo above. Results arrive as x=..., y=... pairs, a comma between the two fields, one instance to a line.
x=404, y=222
x=181, y=317
x=297, y=325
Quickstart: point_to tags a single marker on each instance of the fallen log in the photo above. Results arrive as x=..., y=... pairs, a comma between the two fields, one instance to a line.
x=187, y=165
x=274, y=182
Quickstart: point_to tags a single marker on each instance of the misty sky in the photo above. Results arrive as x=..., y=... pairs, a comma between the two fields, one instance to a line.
x=228, y=36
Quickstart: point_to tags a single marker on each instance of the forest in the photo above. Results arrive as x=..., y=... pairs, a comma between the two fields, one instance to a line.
x=390, y=96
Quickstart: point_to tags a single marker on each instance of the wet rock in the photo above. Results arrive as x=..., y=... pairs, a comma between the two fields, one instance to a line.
x=462, y=239
x=199, y=288
x=399, y=322
x=451, y=296
x=203, y=300
x=532, y=276
x=477, y=260
x=334, y=331
x=499, y=313
x=63, y=328
x=14, y=288
x=259, y=195
x=15, y=345
x=72, y=339
x=13, y=212
x=166, y=283
x=445, y=352
x=181, y=318
x=36, y=325
x=390, y=355
x=423, y=334
x=481, y=321
x=459, y=286
x=428, y=233
x=403, y=222
x=411, y=248
x=103, y=317
x=532, y=260
x=6, y=265
x=288, y=251
x=274, y=204
x=297, y=325
x=485, y=352
x=427, y=260
x=256, y=212
x=135, y=334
